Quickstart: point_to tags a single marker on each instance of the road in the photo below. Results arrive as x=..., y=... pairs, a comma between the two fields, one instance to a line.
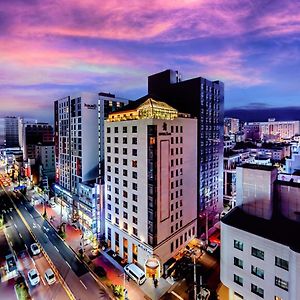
x=20, y=240
x=78, y=278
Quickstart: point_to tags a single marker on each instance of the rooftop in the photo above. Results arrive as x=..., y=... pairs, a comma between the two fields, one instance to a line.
x=275, y=229
x=258, y=167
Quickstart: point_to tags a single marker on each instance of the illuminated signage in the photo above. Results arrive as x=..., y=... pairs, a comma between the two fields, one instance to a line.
x=90, y=106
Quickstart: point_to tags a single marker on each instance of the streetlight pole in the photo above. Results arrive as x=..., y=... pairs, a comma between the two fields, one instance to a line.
x=195, y=278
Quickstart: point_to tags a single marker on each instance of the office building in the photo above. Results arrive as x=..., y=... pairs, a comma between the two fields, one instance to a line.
x=260, y=253
x=11, y=125
x=44, y=157
x=35, y=133
x=150, y=182
x=204, y=100
x=76, y=145
x=21, y=128
x=2, y=133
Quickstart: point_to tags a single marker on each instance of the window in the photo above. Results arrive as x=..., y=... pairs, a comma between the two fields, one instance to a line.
x=108, y=149
x=108, y=139
x=116, y=150
x=238, y=262
x=116, y=160
x=135, y=231
x=124, y=140
x=125, y=215
x=281, y=263
x=116, y=200
x=134, y=186
x=134, y=164
x=237, y=279
x=109, y=217
x=257, y=253
x=124, y=162
x=134, y=208
x=117, y=191
x=281, y=283
x=117, y=210
x=134, y=175
x=134, y=197
x=125, y=194
x=108, y=129
x=257, y=272
x=124, y=129
x=125, y=204
x=134, y=152
x=238, y=245
x=257, y=290
x=125, y=151
x=116, y=140
x=116, y=129
x=117, y=221
x=134, y=140
x=109, y=206
x=134, y=129
x=134, y=220
x=125, y=226
x=124, y=172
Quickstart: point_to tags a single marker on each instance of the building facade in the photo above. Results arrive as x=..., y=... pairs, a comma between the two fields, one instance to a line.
x=150, y=183
x=76, y=144
x=44, y=155
x=11, y=132
x=231, y=126
x=260, y=255
x=204, y=100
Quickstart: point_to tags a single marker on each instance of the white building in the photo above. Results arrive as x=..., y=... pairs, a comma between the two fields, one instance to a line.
x=45, y=156
x=260, y=254
x=76, y=144
x=150, y=182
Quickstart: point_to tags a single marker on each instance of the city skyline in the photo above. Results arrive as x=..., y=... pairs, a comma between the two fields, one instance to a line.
x=53, y=49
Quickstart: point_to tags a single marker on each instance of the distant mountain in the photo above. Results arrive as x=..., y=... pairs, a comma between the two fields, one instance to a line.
x=264, y=113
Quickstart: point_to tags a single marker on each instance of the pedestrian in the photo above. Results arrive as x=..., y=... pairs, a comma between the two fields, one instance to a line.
x=155, y=283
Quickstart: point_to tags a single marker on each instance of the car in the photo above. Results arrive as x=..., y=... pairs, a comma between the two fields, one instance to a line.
x=35, y=249
x=34, y=277
x=49, y=276
x=203, y=294
x=52, y=204
x=212, y=247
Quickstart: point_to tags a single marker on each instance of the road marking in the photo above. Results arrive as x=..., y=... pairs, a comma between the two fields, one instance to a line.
x=20, y=235
x=46, y=235
x=68, y=265
x=56, y=249
x=26, y=247
x=11, y=217
x=31, y=215
x=83, y=284
x=43, y=280
x=15, y=226
x=11, y=243
x=26, y=208
x=7, y=235
x=22, y=202
x=39, y=225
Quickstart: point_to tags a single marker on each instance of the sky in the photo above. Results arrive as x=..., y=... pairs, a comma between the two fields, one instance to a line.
x=51, y=49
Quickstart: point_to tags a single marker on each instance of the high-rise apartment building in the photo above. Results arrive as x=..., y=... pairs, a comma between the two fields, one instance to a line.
x=231, y=126
x=204, y=100
x=260, y=251
x=150, y=182
x=76, y=143
x=107, y=103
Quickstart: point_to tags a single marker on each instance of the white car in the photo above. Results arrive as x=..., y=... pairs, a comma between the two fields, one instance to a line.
x=35, y=249
x=49, y=276
x=52, y=204
x=33, y=277
x=212, y=247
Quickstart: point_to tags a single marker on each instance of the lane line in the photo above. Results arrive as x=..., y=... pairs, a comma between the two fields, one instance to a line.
x=39, y=226
x=31, y=215
x=68, y=265
x=11, y=218
x=26, y=208
x=43, y=280
x=46, y=235
x=83, y=284
x=15, y=226
x=56, y=249
x=26, y=247
x=20, y=235
x=11, y=243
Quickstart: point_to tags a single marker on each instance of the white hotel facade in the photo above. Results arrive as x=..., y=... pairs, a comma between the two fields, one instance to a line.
x=150, y=183
x=260, y=253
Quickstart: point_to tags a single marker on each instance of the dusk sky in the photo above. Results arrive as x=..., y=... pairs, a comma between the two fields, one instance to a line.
x=51, y=49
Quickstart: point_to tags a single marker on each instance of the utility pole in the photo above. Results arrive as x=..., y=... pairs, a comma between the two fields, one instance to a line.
x=206, y=229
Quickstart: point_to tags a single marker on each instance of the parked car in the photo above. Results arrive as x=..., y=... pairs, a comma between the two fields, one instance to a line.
x=49, y=276
x=35, y=249
x=52, y=204
x=34, y=277
x=212, y=247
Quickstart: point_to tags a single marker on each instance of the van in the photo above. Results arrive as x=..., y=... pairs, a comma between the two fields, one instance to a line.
x=135, y=273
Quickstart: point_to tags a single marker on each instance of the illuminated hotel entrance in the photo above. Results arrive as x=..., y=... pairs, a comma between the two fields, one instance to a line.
x=152, y=268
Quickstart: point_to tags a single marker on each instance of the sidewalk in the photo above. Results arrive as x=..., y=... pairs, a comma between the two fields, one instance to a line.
x=114, y=271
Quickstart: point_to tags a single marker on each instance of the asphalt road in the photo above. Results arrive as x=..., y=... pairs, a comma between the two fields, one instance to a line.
x=76, y=275
x=20, y=240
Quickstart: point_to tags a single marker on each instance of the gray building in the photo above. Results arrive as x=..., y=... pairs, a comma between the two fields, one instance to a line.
x=11, y=127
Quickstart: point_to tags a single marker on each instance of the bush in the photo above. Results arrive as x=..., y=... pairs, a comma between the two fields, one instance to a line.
x=22, y=291
x=118, y=290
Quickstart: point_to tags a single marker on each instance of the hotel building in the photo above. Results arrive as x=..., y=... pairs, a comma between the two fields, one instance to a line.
x=150, y=182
